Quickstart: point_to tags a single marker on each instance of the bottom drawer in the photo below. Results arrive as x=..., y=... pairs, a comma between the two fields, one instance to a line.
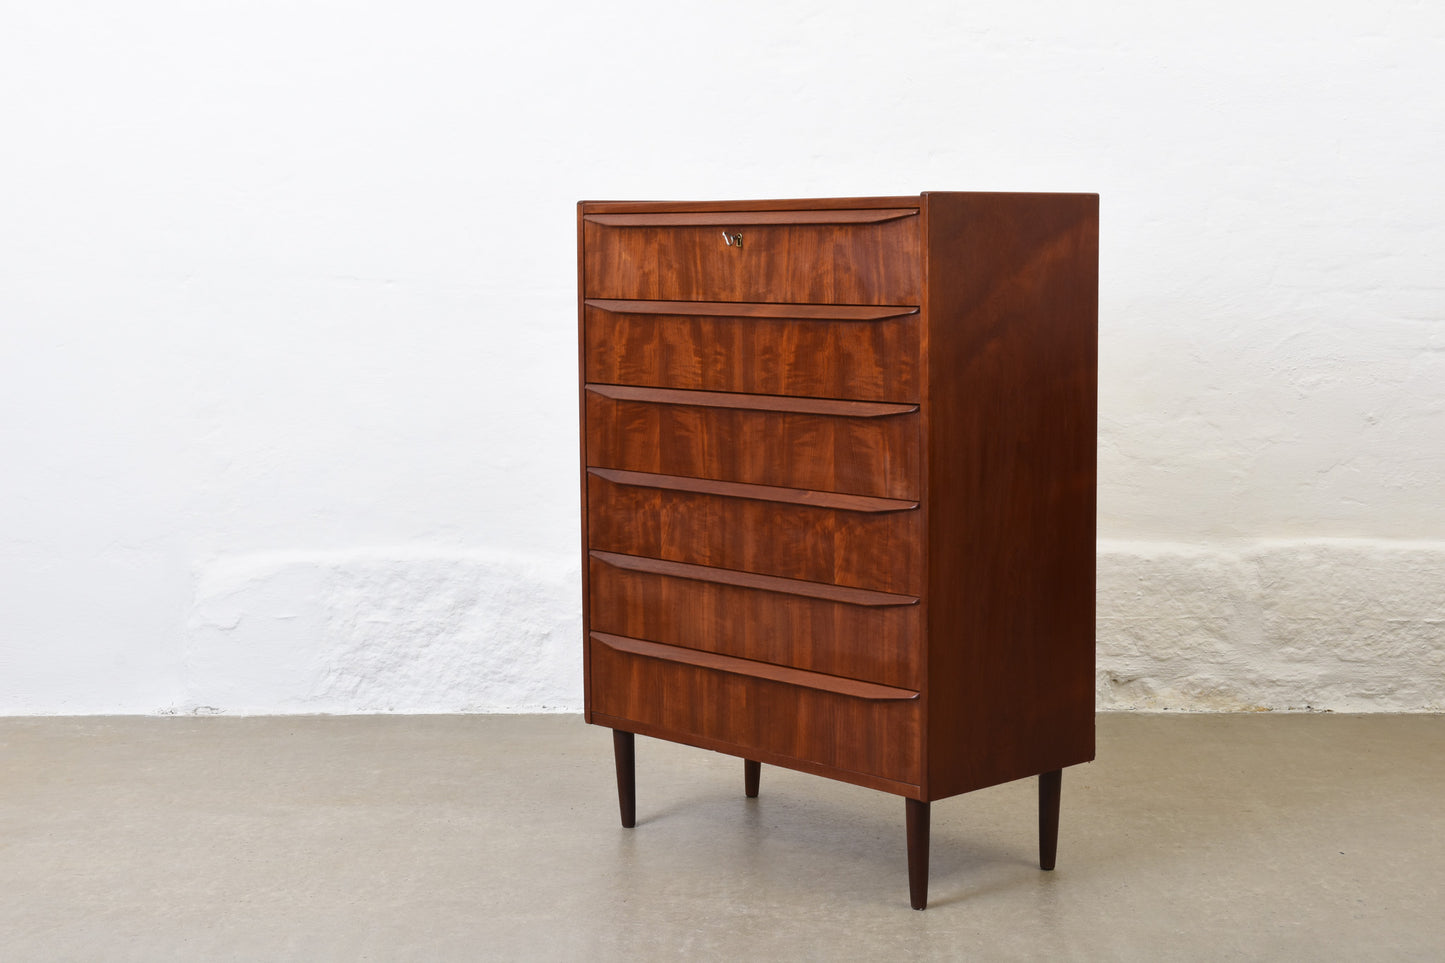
x=820, y=721
x=841, y=631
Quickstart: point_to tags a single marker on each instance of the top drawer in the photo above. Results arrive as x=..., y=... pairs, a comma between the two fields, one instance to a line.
x=821, y=257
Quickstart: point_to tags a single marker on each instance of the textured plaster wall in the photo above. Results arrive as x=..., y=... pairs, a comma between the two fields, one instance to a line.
x=1341, y=624
x=287, y=344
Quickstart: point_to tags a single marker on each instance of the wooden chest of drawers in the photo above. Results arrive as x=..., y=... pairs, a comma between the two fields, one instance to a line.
x=838, y=488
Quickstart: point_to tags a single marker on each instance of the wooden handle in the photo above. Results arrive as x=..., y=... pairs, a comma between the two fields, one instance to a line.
x=765, y=493
x=723, y=399
x=741, y=309
x=767, y=583
x=743, y=218
x=758, y=670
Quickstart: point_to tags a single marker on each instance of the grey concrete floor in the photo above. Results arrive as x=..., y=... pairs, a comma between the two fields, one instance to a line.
x=1194, y=837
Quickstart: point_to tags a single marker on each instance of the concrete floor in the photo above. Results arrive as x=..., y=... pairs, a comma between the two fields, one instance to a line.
x=1195, y=837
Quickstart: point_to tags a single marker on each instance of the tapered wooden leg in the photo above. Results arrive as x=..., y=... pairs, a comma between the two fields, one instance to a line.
x=1049, y=785
x=917, y=852
x=751, y=773
x=622, y=753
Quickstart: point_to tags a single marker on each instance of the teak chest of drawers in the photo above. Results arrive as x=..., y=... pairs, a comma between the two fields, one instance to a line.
x=838, y=488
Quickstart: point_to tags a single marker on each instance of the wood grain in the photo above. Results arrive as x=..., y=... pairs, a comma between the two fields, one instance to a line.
x=762, y=754
x=751, y=402
x=821, y=263
x=764, y=493
x=1010, y=425
x=879, y=551
x=775, y=204
x=751, y=668
x=876, y=643
x=763, y=583
x=752, y=218
x=583, y=367
x=754, y=310
x=759, y=718
x=780, y=551
x=693, y=434
x=817, y=351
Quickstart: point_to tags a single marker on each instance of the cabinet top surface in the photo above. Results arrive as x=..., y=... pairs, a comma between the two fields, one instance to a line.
x=774, y=204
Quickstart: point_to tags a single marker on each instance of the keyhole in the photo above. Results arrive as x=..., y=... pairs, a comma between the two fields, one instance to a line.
x=733, y=240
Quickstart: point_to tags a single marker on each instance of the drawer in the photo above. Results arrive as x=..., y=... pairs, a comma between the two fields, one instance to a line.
x=859, y=634
x=823, y=257
x=810, y=350
x=853, y=540
x=861, y=447
x=805, y=716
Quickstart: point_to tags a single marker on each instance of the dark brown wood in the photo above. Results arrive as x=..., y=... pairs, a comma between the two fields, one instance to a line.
x=763, y=493
x=753, y=669
x=1049, y=787
x=752, y=218
x=774, y=204
x=827, y=352
x=583, y=366
x=750, y=402
x=766, y=583
x=763, y=754
x=866, y=454
x=780, y=551
x=917, y=819
x=754, y=311
x=795, y=624
x=1009, y=421
x=808, y=350
x=752, y=774
x=821, y=263
x=872, y=452
x=871, y=550
x=752, y=715
x=624, y=758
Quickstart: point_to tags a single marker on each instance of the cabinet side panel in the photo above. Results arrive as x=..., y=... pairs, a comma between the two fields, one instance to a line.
x=1012, y=394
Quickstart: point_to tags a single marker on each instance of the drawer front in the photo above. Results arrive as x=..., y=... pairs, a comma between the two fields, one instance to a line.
x=872, y=736
x=819, y=257
x=869, y=354
x=864, y=448
x=868, y=543
x=874, y=639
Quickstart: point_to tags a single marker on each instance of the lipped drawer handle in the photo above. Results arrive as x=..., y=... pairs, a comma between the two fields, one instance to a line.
x=744, y=402
x=827, y=591
x=735, y=310
x=681, y=655
x=766, y=493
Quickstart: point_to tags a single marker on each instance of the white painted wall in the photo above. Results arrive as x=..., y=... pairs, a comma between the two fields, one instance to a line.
x=287, y=346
